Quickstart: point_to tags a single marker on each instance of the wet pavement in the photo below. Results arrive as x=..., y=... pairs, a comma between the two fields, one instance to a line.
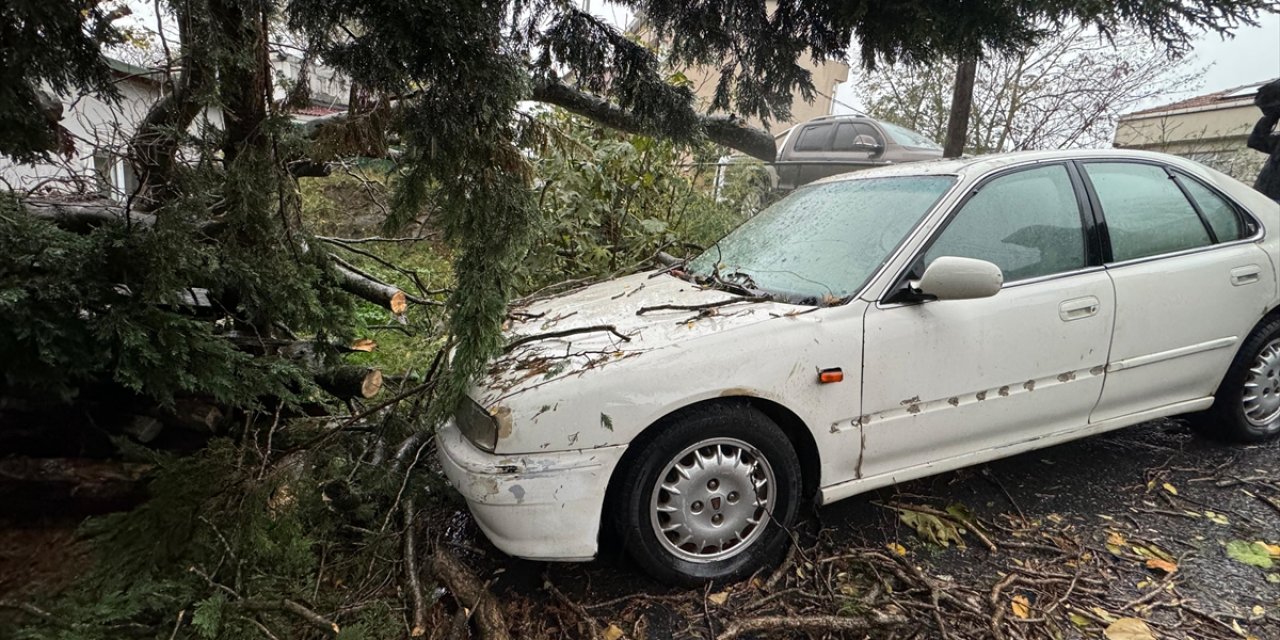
x=1097, y=510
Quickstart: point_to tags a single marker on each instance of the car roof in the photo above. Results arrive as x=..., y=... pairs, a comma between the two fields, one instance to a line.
x=978, y=165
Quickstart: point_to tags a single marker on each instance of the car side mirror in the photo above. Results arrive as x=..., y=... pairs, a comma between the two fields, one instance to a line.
x=954, y=278
x=868, y=143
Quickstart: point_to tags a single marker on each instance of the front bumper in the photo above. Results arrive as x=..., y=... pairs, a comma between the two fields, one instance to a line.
x=544, y=506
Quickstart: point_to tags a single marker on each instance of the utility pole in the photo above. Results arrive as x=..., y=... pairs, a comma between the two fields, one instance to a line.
x=961, y=106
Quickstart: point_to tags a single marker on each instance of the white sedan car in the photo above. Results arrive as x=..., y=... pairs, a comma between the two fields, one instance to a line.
x=866, y=330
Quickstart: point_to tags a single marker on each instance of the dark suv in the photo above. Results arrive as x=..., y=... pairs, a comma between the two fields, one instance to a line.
x=832, y=145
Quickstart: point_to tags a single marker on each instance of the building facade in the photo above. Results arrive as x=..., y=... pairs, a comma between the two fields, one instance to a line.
x=1211, y=129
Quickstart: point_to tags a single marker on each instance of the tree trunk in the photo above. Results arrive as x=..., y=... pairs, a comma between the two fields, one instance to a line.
x=961, y=106
x=723, y=130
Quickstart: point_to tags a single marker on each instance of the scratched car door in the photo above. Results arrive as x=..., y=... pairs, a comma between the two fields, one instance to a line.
x=946, y=378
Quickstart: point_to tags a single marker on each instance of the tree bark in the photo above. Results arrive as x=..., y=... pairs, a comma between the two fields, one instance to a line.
x=472, y=593
x=724, y=130
x=961, y=107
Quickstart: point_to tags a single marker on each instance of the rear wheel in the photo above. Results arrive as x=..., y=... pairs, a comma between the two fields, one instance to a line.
x=1246, y=407
x=710, y=497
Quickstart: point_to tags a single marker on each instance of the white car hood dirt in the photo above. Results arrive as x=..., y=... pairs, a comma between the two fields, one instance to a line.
x=611, y=322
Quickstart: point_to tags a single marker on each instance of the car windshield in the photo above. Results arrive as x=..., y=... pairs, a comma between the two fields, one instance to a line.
x=909, y=138
x=820, y=244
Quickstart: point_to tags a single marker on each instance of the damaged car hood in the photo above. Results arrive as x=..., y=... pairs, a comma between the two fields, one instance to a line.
x=598, y=325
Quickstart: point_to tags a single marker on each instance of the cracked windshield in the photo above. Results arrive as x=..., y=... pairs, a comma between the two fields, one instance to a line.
x=823, y=242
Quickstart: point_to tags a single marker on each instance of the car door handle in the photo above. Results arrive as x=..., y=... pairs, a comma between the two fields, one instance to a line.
x=1078, y=308
x=1241, y=276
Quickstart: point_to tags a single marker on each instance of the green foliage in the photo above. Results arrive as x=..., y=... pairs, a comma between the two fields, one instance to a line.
x=79, y=311
x=54, y=45
x=610, y=201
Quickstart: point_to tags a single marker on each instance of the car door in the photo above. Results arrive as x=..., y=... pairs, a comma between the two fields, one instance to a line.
x=1190, y=284
x=943, y=379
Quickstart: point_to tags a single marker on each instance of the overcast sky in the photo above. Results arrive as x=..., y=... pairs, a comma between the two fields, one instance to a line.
x=1253, y=55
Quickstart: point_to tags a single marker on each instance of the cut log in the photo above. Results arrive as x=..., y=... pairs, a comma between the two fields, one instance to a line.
x=74, y=485
x=84, y=216
x=193, y=414
x=351, y=382
x=365, y=345
x=382, y=294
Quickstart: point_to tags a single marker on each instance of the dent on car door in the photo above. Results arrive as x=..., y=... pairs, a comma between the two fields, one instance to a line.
x=1189, y=284
x=952, y=377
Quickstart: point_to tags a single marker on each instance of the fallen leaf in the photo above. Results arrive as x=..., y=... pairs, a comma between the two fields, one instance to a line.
x=1170, y=488
x=932, y=528
x=1251, y=553
x=1116, y=543
x=1235, y=626
x=1163, y=565
x=1258, y=611
x=1216, y=518
x=613, y=632
x=1103, y=615
x=896, y=548
x=1021, y=607
x=1273, y=549
x=1273, y=578
x=1129, y=629
x=1079, y=620
x=719, y=599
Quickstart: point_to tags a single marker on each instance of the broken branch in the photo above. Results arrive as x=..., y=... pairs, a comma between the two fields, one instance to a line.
x=471, y=593
x=566, y=332
x=697, y=307
x=826, y=624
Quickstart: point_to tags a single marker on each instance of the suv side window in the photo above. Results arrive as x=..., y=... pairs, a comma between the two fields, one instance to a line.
x=1028, y=223
x=813, y=138
x=1147, y=214
x=843, y=141
x=1221, y=215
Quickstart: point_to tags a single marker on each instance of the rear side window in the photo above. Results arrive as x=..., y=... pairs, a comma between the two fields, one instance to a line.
x=1220, y=214
x=813, y=138
x=1146, y=212
x=1027, y=223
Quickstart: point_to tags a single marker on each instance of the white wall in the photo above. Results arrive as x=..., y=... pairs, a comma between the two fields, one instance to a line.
x=101, y=131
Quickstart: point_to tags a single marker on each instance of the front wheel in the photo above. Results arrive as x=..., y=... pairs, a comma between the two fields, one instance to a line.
x=710, y=497
x=1246, y=407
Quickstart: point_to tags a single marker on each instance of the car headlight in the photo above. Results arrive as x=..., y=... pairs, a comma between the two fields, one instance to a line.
x=476, y=424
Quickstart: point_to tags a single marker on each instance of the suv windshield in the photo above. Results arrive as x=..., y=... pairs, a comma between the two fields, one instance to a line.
x=908, y=138
x=821, y=243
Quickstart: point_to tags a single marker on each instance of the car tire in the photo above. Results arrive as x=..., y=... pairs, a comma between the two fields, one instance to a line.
x=713, y=456
x=1236, y=414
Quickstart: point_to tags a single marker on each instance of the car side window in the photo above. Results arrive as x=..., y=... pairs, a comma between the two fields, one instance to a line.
x=1027, y=223
x=843, y=140
x=1221, y=215
x=813, y=138
x=1147, y=214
